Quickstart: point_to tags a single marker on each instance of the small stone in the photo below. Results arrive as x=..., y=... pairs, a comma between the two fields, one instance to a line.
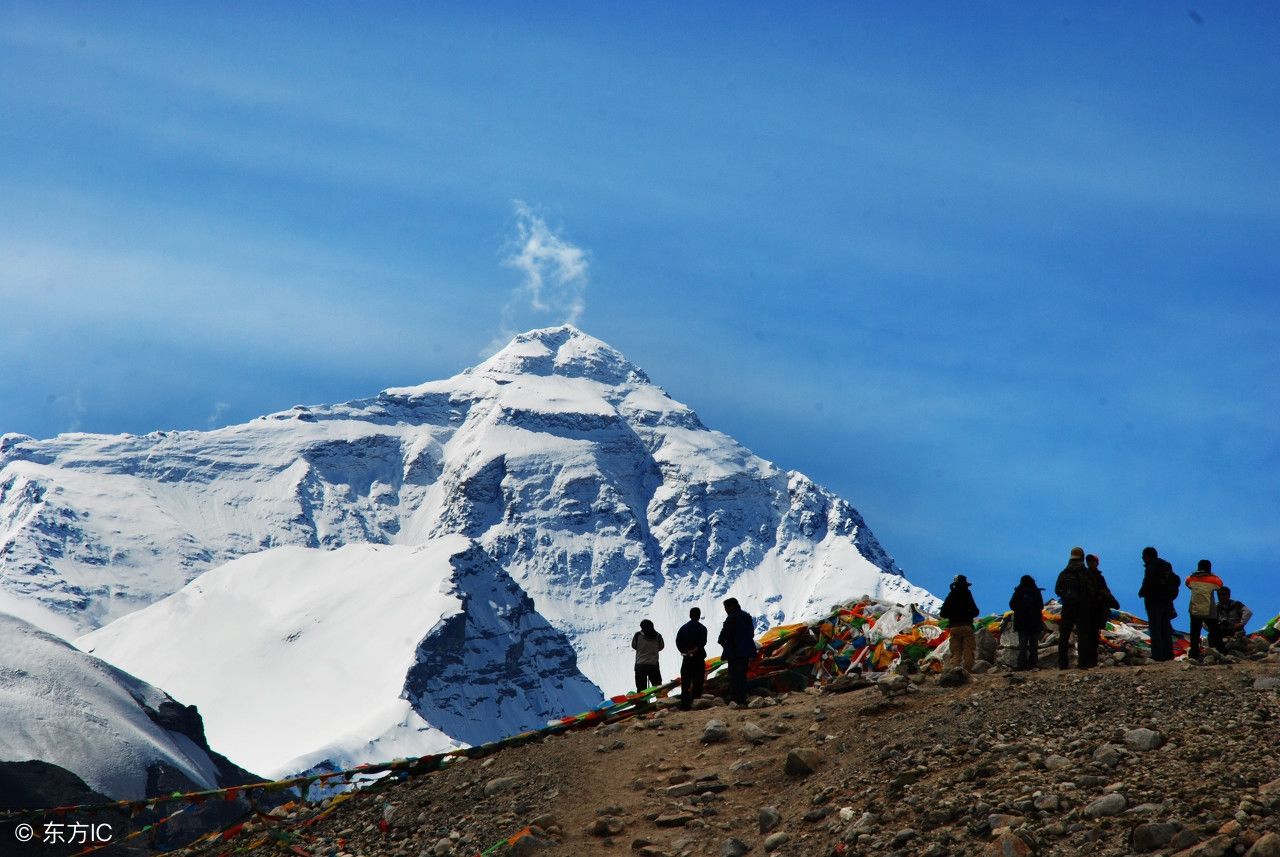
x=501, y=784
x=1048, y=803
x=734, y=848
x=1266, y=682
x=1009, y=844
x=953, y=677
x=609, y=825
x=999, y=820
x=528, y=844
x=1214, y=847
x=902, y=837
x=1112, y=804
x=1108, y=756
x=776, y=841
x=980, y=667
x=770, y=818
x=753, y=733
x=1268, y=845
x=1143, y=739
x=801, y=761
x=681, y=790
x=1151, y=837
x=846, y=683
x=714, y=732
x=673, y=819
x=1056, y=763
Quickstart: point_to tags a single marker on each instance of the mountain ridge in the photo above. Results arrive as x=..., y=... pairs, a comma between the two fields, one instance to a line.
x=595, y=494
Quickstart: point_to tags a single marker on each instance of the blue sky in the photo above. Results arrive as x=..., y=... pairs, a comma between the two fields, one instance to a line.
x=1003, y=276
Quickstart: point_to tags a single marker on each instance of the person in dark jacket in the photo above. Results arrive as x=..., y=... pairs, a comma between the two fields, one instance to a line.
x=738, y=639
x=647, y=642
x=691, y=643
x=959, y=609
x=1158, y=592
x=1027, y=605
x=1233, y=616
x=1078, y=599
x=1103, y=603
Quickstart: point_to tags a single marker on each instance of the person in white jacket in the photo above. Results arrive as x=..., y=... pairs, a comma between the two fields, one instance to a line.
x=647, y=642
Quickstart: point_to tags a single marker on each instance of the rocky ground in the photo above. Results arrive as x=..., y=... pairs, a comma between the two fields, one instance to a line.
x=1162, y=758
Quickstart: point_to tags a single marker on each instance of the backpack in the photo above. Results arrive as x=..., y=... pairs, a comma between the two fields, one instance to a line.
x=1068, y=589
x=1171, y=584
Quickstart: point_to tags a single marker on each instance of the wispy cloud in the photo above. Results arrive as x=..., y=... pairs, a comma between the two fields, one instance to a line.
x=219, y=408
x=553, y=286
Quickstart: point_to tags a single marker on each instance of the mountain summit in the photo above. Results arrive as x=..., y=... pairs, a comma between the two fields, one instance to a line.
x=576, y=493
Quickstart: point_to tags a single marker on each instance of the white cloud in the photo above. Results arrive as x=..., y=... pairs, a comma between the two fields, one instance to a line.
x=553, y=289
x=219, y=408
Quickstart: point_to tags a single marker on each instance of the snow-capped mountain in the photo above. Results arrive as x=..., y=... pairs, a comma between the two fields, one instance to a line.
x=301, y=656
x=124, y=738
x=573, y=481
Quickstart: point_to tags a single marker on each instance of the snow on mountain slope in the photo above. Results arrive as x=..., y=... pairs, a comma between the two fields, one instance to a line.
x=62, y=706
x=298, y=656
x=602, y=498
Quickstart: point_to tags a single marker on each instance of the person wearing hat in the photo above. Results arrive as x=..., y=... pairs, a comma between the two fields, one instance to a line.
x=959, y=609
x=1027, y=605
x=647, y=642
x=1077, y=598
x=1204, y=585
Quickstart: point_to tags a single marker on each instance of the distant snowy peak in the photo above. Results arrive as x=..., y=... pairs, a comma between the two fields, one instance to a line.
x=564, y=351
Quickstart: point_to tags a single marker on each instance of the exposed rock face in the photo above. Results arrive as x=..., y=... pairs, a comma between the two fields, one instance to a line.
x=497, y=661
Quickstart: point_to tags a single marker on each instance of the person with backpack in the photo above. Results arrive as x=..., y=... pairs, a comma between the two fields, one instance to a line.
x=959, y=609
x=691, y=643
x=647, y=642
x=1027, y=605
x=1103, y=603
x=738, y=640
x=1078, y=597
x=1159, y=592
x=1204, y=585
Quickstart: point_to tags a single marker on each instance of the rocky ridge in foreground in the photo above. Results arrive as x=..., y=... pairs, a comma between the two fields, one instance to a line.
x=1161, y=759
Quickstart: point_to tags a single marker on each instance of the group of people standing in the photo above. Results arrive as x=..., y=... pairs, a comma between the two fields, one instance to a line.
x=737, y=641
x=1087, y=601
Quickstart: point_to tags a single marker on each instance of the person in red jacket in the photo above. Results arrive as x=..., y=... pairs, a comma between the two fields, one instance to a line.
x=1204, y=585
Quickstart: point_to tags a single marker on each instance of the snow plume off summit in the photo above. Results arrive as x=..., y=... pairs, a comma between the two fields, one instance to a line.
x=486, y=543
